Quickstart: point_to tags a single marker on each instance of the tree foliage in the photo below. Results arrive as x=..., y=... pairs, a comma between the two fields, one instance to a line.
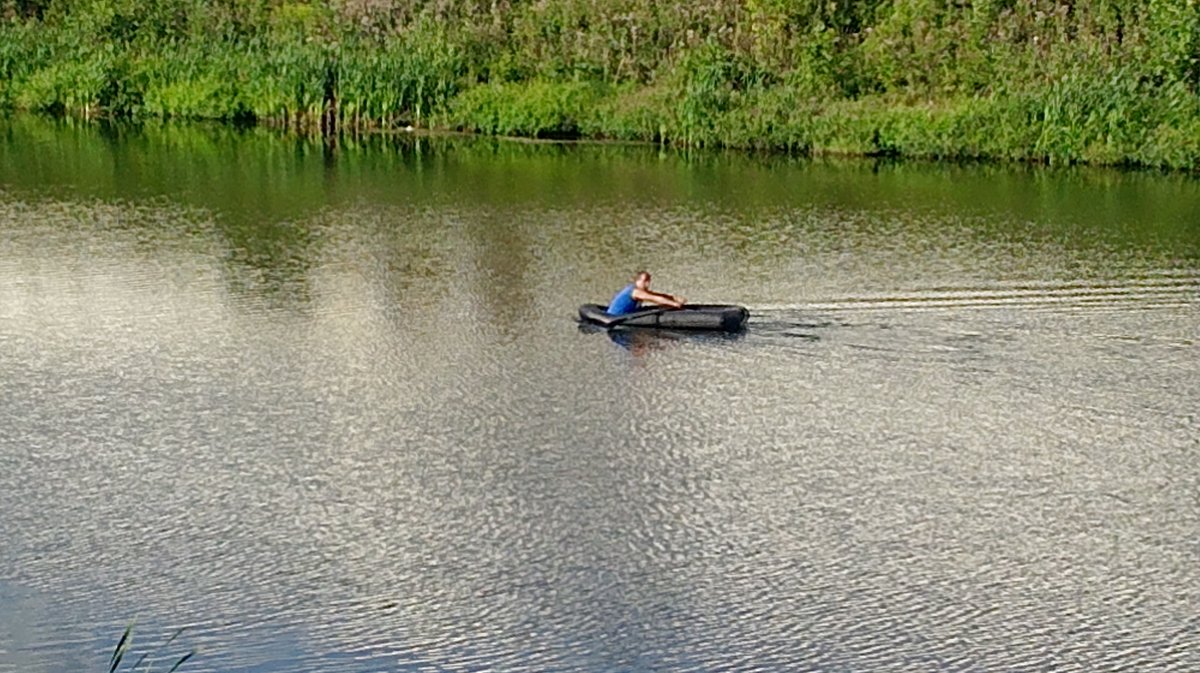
x=1102, y=80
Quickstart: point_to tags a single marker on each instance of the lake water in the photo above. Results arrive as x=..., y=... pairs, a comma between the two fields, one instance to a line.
x=329, y=409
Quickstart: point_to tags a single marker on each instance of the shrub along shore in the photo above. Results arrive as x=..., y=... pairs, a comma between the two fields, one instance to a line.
x=1058, y=81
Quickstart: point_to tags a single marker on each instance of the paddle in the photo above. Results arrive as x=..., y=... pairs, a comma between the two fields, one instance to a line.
x=659, y=310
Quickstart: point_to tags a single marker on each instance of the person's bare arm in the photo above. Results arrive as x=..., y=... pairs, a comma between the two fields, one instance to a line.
x=659, y=298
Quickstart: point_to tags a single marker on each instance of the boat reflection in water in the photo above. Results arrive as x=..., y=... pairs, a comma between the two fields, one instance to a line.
x=642, y=340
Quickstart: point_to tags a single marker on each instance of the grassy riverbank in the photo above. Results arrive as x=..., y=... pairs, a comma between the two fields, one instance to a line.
x=1107, y=82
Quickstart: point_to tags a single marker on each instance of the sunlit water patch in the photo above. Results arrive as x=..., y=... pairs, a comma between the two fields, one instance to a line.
x=342, y=418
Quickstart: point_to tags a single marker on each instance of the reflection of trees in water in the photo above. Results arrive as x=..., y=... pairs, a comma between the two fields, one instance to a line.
x=503, y=259
x=591, y=208
x=404, y=255
x=270, y=261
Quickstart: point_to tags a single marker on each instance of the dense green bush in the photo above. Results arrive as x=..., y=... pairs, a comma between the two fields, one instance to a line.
x=1060, y=81
x=536, y=109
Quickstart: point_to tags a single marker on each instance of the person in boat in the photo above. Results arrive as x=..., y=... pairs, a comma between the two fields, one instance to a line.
x=636, y=295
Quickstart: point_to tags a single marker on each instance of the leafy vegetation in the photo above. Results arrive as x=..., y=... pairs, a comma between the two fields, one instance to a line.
x=1059, y=81
x=143, y=662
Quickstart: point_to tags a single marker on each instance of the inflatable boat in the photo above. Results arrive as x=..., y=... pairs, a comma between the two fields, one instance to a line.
x=718, y=317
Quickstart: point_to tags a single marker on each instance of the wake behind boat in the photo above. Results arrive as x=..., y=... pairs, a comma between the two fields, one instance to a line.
x=713, y=317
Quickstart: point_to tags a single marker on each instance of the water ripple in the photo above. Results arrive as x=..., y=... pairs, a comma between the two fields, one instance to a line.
x=377, y=441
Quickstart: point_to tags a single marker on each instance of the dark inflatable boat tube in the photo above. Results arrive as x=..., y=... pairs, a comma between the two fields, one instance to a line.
x=717, y=317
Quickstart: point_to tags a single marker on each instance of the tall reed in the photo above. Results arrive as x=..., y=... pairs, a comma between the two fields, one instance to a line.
x=1042, y=80
x=126, y=643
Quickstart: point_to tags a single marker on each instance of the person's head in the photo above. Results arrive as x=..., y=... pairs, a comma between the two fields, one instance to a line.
x=641, y=279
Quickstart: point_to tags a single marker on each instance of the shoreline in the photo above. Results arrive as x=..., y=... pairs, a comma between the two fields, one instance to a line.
x=337, y=137
x=1111, y=85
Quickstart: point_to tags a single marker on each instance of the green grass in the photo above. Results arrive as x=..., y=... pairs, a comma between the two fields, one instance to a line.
x=144, y=662
x=1062, y=83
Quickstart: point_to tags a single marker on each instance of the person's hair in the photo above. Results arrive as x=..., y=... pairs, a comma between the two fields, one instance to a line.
x=640, y=273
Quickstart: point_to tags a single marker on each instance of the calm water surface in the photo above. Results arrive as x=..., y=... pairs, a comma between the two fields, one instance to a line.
x=329, y=409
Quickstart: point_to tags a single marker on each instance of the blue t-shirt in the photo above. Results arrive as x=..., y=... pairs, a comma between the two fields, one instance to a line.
x=623, y=302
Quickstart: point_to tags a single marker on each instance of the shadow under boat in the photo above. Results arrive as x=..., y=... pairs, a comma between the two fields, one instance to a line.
x=641, y=339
